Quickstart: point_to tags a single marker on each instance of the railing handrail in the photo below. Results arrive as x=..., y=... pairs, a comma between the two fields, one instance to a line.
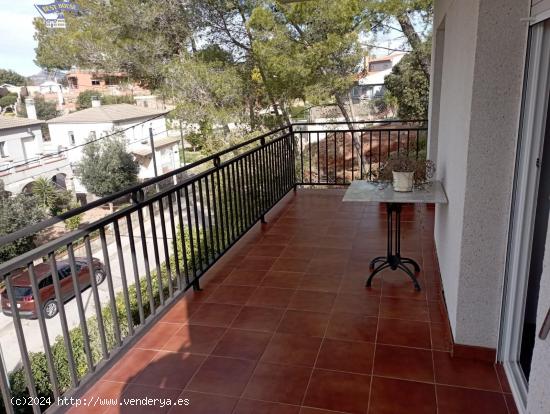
x=36, y=228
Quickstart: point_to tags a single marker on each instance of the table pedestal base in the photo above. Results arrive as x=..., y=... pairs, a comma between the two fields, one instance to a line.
x=393, y=259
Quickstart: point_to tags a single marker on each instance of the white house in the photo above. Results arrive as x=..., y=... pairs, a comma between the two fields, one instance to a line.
x=75, y=129
x=371, y=83
x=24, y=156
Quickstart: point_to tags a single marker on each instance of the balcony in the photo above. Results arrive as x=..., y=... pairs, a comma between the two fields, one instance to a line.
x=250, y=295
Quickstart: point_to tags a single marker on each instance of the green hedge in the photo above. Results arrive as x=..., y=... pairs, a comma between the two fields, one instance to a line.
x=38, y=360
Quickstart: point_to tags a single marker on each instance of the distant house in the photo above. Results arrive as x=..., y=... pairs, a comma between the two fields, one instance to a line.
x=75, y=129
x=81, y=80
x=371, y=81
x=24, y=156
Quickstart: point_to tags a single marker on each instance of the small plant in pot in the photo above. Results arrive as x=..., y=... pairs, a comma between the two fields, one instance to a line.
x=406, y=172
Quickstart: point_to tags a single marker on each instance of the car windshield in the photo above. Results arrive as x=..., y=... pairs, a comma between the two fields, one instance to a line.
x=22, y=291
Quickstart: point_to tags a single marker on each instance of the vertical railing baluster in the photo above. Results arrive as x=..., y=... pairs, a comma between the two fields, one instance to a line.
x=97, y=301
x=190, y=234
x=236, y=193
x=80, y=306
x=398, y=141
x=60, y=299
x=408, y=139
x=110, y=287
x=197, y=228
x=210, y=221
x=43, y=331
x=123, y=278
x=343, y=157
x=145, y=253
x=174, y=240
x=203, y=220
x=155, y=241
x=27, y=369
x=217, y=214
x=183, y=238
x=302, y=157
x=137, y=283
x=370, y=155
x=5, y=386
x=326, y=158
x=167, y=263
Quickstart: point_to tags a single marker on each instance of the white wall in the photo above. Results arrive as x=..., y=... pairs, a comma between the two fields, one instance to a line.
x=13, y=146
x=481, y=80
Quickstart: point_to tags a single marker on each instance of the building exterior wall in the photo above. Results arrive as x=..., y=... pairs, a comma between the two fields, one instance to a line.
x=480, y=99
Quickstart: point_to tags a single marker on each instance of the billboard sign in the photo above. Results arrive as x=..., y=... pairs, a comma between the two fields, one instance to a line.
x=53, y=13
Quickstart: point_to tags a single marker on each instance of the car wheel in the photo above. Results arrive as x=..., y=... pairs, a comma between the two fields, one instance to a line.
x=50, y=309
x=99, y=276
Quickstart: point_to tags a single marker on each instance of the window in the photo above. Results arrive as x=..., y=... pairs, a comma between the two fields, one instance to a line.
x=2, y=149
x=71, y=138
x=48, y=281
x=95, y=82
x=64, y=272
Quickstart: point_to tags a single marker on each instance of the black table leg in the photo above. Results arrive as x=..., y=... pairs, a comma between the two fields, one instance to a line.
x=393, y=259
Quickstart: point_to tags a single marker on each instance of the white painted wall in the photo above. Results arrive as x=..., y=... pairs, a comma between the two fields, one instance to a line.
x=481, y=80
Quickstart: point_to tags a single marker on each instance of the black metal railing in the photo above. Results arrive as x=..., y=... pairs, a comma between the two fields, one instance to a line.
x=139, y=259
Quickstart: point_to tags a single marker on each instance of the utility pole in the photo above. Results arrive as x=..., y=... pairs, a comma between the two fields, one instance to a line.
x=182, y=144
x=153, y=151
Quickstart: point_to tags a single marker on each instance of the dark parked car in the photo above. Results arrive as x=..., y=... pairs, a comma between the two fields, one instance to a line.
x=22, y=287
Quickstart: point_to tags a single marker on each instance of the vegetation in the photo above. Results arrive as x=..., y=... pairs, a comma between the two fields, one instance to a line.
x=53, y=199
x=84, y=99
x=8, y=100
x=16, y=213
x=12, y=77
x=44, y=109
x=106, y=167
x=423, y=169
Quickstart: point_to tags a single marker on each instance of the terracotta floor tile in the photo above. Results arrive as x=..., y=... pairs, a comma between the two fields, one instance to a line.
x=226, y=376
x=328, y=266
x=392, y=396
x=398, y=284
x=263, y=407
x=501, y=374
x=102, y=389
x=309, y=410
x=437, y=313
x=441, y=337
x=267, y=250
x=291, y=264
x=455, y=400
x=404, y=363
x=200, y=403
x=278, y=383
x=181, y=311
x=231, y=295
x=215, y=314
x=511, y=404
x=195, y=339
x=137, y=391
x=285, y=280
x=353, y=327
x=131, y=364
x=258, y=319
x=169, y=370
x=404, y=333
x=465, y=372
x=304, y=323
x=355, y=284
x=245, y=277
x=271, y=297
x=347, y=356
x=410, y=309
x=320, y=282
x=292, y=350
x=301, y=252
x=158, y=335
x=256, y=263
x=340, y=391
x=357, y=303
x=242, y=344
x=312, y=301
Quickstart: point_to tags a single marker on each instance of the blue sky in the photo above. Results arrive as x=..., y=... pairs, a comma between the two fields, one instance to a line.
x=16, y=35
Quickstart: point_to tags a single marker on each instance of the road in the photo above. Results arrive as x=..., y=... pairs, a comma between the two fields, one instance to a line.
x=31, y=328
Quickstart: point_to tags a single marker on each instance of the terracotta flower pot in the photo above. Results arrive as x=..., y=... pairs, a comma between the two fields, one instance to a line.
x=402, y=181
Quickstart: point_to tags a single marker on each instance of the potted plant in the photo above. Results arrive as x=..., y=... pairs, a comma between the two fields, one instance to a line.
x=405, y=172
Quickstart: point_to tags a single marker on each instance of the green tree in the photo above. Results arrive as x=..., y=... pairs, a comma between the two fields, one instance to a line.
x=84, y=99
x=8, y=100
x=55, y=200
x=106, y=167
x=44, y=109
x=16, y=213
x=12, y=77
x=407, y=87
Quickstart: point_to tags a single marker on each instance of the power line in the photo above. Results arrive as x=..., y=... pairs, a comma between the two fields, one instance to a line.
x=89, y=142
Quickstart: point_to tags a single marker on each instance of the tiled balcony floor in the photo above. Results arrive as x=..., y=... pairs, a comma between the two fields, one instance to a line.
x=285, y=325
